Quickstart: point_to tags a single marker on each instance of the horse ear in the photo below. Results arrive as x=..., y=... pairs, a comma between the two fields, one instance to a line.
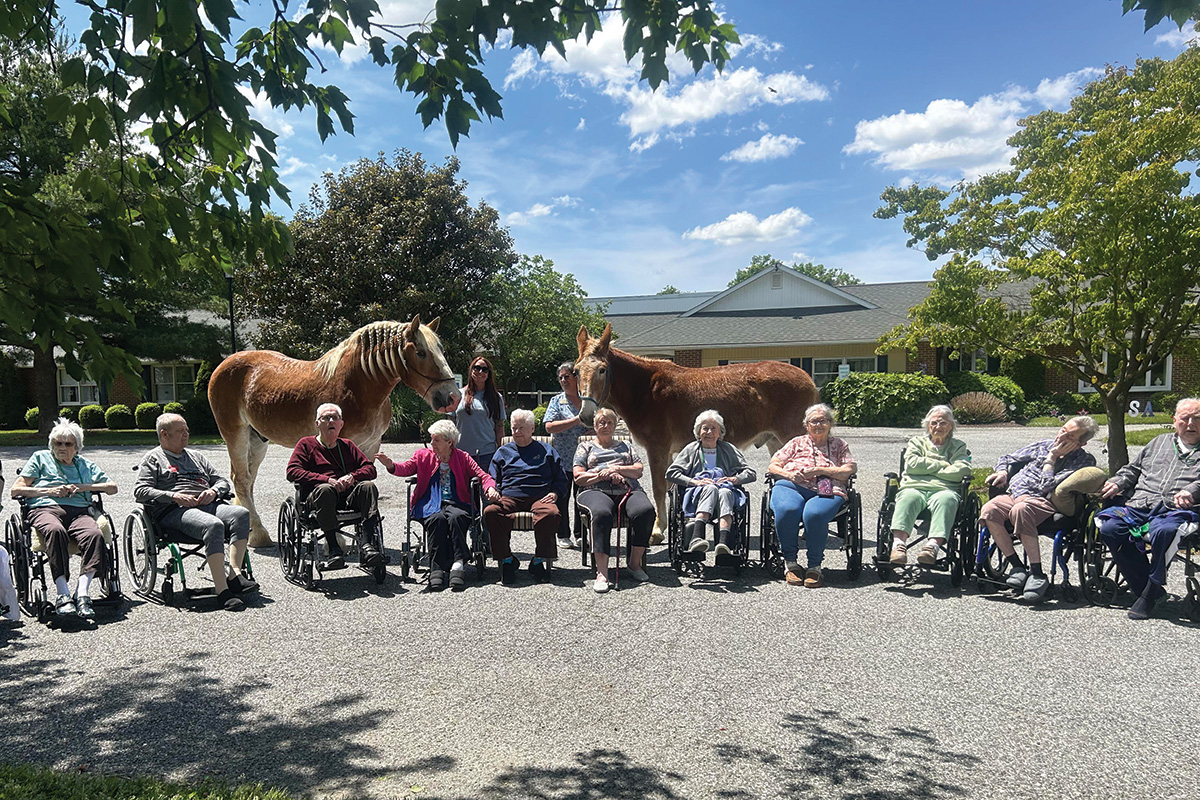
x=582, y=339
x=605, y=338
x=433, y=325
x=413, y=327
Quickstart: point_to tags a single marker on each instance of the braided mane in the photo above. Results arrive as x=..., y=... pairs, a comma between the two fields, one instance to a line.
x=378, y=348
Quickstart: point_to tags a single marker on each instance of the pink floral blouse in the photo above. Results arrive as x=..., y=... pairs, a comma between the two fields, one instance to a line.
x=801, y=453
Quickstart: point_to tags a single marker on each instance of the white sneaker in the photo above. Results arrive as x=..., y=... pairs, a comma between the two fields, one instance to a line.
x=600, y=586
x=566, y=543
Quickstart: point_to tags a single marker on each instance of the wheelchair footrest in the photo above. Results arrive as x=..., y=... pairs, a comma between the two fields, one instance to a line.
x=731, y=560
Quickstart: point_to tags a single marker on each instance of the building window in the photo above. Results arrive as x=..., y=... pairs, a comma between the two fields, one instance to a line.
x=173, y=383
x=76, y=393
x=826, y=369
x=1155, y=380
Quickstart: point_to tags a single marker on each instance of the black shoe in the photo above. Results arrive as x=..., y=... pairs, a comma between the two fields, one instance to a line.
x=230, y=601
x=239, y=584
x=369, y=557
x=540, y=570
x=437, y=580
x=333, y=561
x=508, y=572
x=457, y=584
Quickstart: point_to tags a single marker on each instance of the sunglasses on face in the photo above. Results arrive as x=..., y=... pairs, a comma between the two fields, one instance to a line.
x=480, y=368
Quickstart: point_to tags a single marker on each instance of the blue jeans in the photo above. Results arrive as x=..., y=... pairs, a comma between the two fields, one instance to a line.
x=1163, y=535
x=793, y=504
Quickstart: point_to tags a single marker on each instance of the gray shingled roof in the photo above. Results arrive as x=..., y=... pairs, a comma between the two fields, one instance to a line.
x=777, y=326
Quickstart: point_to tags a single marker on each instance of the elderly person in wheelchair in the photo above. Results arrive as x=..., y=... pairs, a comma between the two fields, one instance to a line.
x=1162, y=486
x=811, y=472
x=442, y=500
x=606, y=472
x=713, y=472
x=57, y=484
x=184, y=493
x=935, y=464
x=1036, y=470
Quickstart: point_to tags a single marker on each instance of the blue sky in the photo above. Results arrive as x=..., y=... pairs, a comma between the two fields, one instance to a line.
x=786, y=153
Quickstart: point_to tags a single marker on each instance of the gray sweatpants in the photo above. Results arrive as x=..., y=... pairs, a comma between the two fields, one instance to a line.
x=209, y=524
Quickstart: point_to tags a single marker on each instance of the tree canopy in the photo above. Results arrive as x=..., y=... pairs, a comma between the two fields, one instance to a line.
x=170, y=85
x=381, y=240
x=829, y=275
x=1086, y=253
x=1155, y=11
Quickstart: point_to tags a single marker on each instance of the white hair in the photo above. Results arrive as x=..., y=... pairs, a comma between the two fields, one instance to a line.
x=940, y=411
x=326, y=406
x=607, y=413
x=1087, y=425
x=165, y=421
x=64, y=427
x=445, y=429
x=820, y=408
x=708, y=416
x=522, y=415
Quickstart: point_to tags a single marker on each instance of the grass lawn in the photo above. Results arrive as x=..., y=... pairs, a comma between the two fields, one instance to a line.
x=1143, y=437
x=96, y=438
x=24, y=782
x=1101, y=419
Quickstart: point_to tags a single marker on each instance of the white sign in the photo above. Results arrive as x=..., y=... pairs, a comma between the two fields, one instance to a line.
x=843, y=371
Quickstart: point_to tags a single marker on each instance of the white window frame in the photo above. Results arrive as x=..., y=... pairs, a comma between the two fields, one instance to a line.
x=86, y=391
x=174, y=384
x=821, y=378
x=1146, y=385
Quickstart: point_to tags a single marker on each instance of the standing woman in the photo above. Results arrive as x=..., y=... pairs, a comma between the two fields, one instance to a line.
x=480, y=415
x=564, y=426
x=811, y=473
x=58, y=484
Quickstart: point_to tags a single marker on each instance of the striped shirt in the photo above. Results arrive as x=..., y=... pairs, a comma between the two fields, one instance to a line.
x=1159, y=472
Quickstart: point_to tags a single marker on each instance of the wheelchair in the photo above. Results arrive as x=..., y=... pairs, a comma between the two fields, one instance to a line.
x=685, y=562
x=27, y=553
x=143, y=542
x=958, y=557
x=1067, y=531
x=849, y=530
x=299, y=540
x=1102, y=582
x=418, y=558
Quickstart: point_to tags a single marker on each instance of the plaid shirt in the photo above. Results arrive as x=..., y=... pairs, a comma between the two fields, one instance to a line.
x=1032, y=478
x=1158, y=473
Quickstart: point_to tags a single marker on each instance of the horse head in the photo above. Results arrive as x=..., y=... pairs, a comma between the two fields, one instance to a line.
x=595, y=375
x=428, y=373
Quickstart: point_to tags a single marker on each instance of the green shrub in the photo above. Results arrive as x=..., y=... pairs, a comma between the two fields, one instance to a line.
x=12, y=394
x=1071, y=403
x=883, y=398
x=1041, y=407
x=978, y=407
x=32, y=417
x=959, y=383
x=146, y=414
x=197, y=411
x=1009, y=393
x=91, y=417
x=539, y=414
x=174, y=408
x=118, y=417
x=69, y=412
x=1163, y=403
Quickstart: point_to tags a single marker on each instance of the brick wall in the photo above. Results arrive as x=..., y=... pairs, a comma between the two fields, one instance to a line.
x=1057, y=378
x=926, y=360
x=688, y=358
x=1185, y=373
x=120, y=392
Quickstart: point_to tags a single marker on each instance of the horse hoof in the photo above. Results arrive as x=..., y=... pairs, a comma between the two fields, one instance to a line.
x=260, y=539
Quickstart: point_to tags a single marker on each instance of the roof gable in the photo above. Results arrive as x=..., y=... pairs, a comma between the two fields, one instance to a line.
x=778, y=289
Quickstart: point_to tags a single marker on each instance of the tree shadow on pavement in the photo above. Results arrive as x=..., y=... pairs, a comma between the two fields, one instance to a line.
x=847, y=757
x=182, y=721
x=596, y=774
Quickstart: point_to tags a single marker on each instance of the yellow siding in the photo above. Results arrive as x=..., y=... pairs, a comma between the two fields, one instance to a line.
x=710, y=358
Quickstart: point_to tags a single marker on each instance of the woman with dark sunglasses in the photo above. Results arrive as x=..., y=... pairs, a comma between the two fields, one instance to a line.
x=481, y=413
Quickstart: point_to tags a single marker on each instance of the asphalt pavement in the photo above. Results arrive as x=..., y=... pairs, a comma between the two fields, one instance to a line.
x=735, y=686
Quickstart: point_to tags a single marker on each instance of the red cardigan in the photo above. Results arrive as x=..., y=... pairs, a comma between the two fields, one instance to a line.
x=424, y=463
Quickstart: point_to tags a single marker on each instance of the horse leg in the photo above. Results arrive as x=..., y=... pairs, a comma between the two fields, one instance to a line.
x=257, y=451
x=659, y=457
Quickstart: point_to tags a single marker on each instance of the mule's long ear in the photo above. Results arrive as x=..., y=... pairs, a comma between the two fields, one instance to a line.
x=410, y=332
x=434, y=323
x=582, y=339
x=605, y=338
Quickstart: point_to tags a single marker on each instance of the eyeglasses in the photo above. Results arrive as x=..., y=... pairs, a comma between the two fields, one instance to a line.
x=818, y=421
x=566, y=376
x=480, y=368
x=329, y=417
x=64, y=442
x=939, y=423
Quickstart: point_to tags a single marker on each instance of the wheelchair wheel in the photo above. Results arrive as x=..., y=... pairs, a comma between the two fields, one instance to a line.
x=853, y=539
x=140, y=552
x=18, y=552
x=675, y=530
x=883, y=539
x=289, y=550
x=168, y=591
x=480, y=560
x=1099, y=579
x=965, y=537
x=379, y=573
x=110, y=583
x=40, y=606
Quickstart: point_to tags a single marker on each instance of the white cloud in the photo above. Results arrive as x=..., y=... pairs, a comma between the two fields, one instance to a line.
x=951, y=140
x=1178, y=38
x=768, y=147
x=745, y=227
x=582, y=124
x=518, y=218
x=405, y=14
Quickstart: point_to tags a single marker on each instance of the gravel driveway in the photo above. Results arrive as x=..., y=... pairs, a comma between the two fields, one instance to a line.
x=734, y=687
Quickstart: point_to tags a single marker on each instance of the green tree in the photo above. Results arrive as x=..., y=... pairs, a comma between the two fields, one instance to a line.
x=537, y=317
x=1088, y=243
x=163, y=82
x=668, y=289
x=829, y=275
x=381, y=240
x=1178, y=11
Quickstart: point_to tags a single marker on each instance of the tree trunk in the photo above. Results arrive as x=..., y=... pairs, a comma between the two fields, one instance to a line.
x=45, y=388
x=1115, y=403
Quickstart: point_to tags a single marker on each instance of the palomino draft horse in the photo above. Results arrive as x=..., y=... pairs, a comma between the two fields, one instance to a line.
x=260, y=396
x=762, y=403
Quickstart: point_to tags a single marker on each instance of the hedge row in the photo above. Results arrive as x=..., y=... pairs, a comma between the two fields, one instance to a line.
x=116, y=417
